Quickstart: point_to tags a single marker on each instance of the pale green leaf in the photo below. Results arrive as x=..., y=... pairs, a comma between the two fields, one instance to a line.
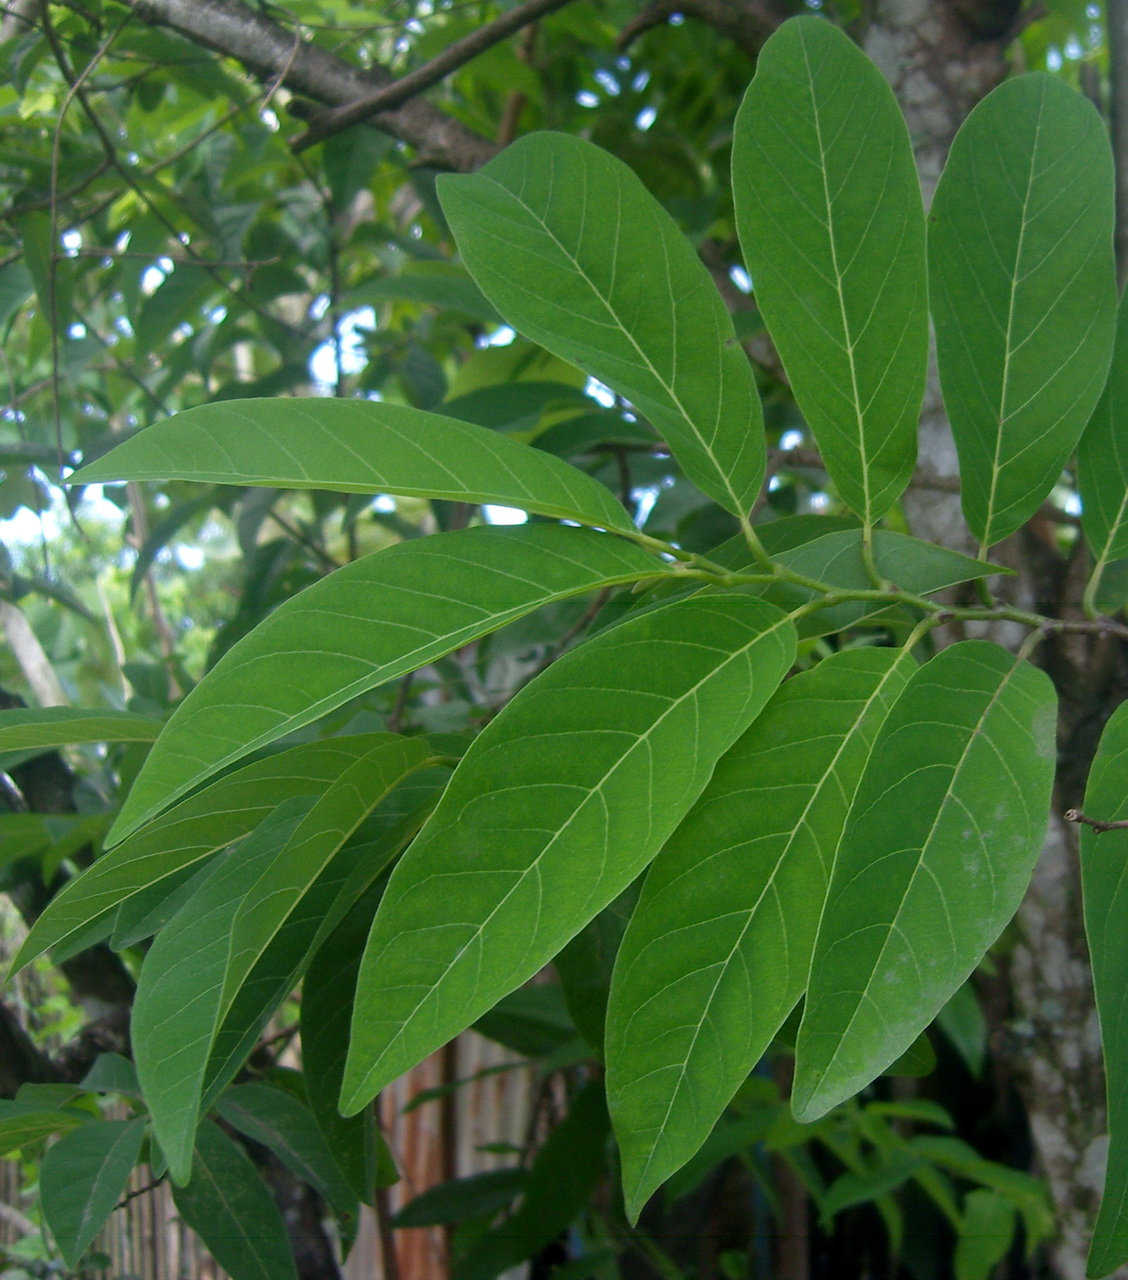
x=229, y=1207
x=356, y=446
x=48, y=727
x=829, y=213
x=369, y=622
x=986, y=1231
x=1104, y=882
x=717, y=951
x=222, y=812
x=83, y=1176
x=181, y=984
x=574, y=252
x=1102, y=459
x=1023, y=292
x=556, y=807
x=22, y=1126
x=936, y=854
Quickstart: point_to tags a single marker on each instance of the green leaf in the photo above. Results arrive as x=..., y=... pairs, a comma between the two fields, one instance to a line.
x=863, y=1185
x=1024, y=292
x=60, y=726
x=717, y=951
x=554, y=810
x=82, y=1177
x=269, y=901
x=564, y=1174
x=985, y=1234
x=829, y=213
x=476, y=1196
x=230, y=1209
x=222, y=812
x=369, y=622
x=356, y=446
x=178, y=996
x=945, y=829
x=573, y=250
x=285, y=1125
x=1104, y=855
x=20, y=1126
x=836, y=559
x=1102, y=460
x=327, y=1000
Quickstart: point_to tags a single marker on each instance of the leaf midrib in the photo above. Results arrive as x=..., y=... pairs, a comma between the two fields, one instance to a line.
x=534, y=866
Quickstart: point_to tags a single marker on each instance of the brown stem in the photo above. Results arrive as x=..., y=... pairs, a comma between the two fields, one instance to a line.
x=1075, y=815
x=390, y=96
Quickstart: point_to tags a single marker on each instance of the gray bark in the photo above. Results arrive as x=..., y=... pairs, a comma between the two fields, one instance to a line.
x=941, y=58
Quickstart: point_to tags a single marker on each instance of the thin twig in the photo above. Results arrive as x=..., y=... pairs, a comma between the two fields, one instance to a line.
x=1075, y=815
x=455, y=55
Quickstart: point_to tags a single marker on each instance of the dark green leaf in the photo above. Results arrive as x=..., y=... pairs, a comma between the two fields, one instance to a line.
x=82, y=1178
x=230, y=1209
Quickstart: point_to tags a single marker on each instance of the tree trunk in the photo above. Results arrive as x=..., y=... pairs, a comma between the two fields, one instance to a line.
x=941, y=58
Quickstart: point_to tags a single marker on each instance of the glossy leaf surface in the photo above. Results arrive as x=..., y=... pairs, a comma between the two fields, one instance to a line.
x=356, y=446
x=556, y=807
x=369, y=622
x=1104, y=880
x=573, y=250
x=717, y=951
x=829, y=213
x=1023, y=292
x=937, y=852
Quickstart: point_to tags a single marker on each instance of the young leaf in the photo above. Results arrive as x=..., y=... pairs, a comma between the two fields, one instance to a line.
x=829, y=213
x=1023, y=292
x=82, y=1178
x=230, y=1209
x=946, y=826
x=369, y=622
x=178, y=995
x=556, y=807
x=219, y=814
x=717, y=951
x=60, y=726
x=356, y=446
x=1102, y=461
x=574, y=251
x=1104, y=855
